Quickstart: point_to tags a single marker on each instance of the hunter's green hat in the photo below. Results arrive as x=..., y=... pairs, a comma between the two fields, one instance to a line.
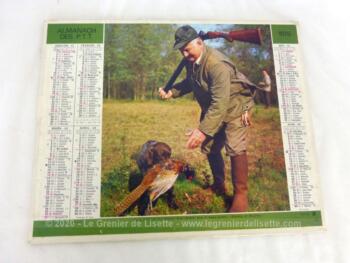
x=184, y=35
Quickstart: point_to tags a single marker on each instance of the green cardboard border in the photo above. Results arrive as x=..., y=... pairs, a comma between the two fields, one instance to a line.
x=75, y=33
x=163, y=224
x=284, y=34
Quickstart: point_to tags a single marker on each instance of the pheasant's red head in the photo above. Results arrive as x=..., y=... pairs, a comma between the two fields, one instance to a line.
x=189, y=172
x=180, y=167
x=174, y=165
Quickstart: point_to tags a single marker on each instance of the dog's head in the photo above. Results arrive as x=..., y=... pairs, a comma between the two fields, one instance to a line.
x=152, y=152
x=160, y=152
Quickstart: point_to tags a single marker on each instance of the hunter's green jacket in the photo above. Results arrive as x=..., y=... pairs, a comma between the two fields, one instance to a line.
x=222, y=92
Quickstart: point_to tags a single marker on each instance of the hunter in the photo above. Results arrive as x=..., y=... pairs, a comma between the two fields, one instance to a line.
x=225, y=98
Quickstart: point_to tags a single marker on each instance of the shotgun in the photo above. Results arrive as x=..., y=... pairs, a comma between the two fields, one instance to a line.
x=253, y=36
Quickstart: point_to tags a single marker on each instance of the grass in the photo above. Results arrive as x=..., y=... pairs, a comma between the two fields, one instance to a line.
x=127, y=125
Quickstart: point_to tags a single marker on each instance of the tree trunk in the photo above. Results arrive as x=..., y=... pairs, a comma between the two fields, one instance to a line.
x=142, y=87
x=135, y=85
x=109, y=85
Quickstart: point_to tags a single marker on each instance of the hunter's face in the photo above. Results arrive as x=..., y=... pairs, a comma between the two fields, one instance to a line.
x=192, y=50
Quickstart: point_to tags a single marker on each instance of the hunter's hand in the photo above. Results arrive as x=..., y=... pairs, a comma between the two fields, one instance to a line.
x=246, y=119
x=165, y=95
x=196, y=138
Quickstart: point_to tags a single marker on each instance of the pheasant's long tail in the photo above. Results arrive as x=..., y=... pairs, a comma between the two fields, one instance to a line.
x=130, y=199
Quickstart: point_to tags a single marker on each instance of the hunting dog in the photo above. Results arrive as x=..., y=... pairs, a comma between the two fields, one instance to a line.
x=151, y=153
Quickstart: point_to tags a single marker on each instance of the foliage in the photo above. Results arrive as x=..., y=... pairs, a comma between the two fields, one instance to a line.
x=139, y=58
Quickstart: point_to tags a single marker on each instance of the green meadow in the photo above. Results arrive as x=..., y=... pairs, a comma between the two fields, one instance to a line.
x=129, y=124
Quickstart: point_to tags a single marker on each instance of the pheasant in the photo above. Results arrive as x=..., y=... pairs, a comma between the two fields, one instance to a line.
x=157, y=180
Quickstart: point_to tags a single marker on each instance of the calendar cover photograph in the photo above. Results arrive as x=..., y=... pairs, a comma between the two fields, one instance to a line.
x=140, y=129
x=173, y=127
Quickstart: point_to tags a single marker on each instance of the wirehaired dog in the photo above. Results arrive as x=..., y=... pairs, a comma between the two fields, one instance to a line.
x=151, y=153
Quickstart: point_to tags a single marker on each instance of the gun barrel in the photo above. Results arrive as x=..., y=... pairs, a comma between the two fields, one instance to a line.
x=253, y=36
x=173, y=77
